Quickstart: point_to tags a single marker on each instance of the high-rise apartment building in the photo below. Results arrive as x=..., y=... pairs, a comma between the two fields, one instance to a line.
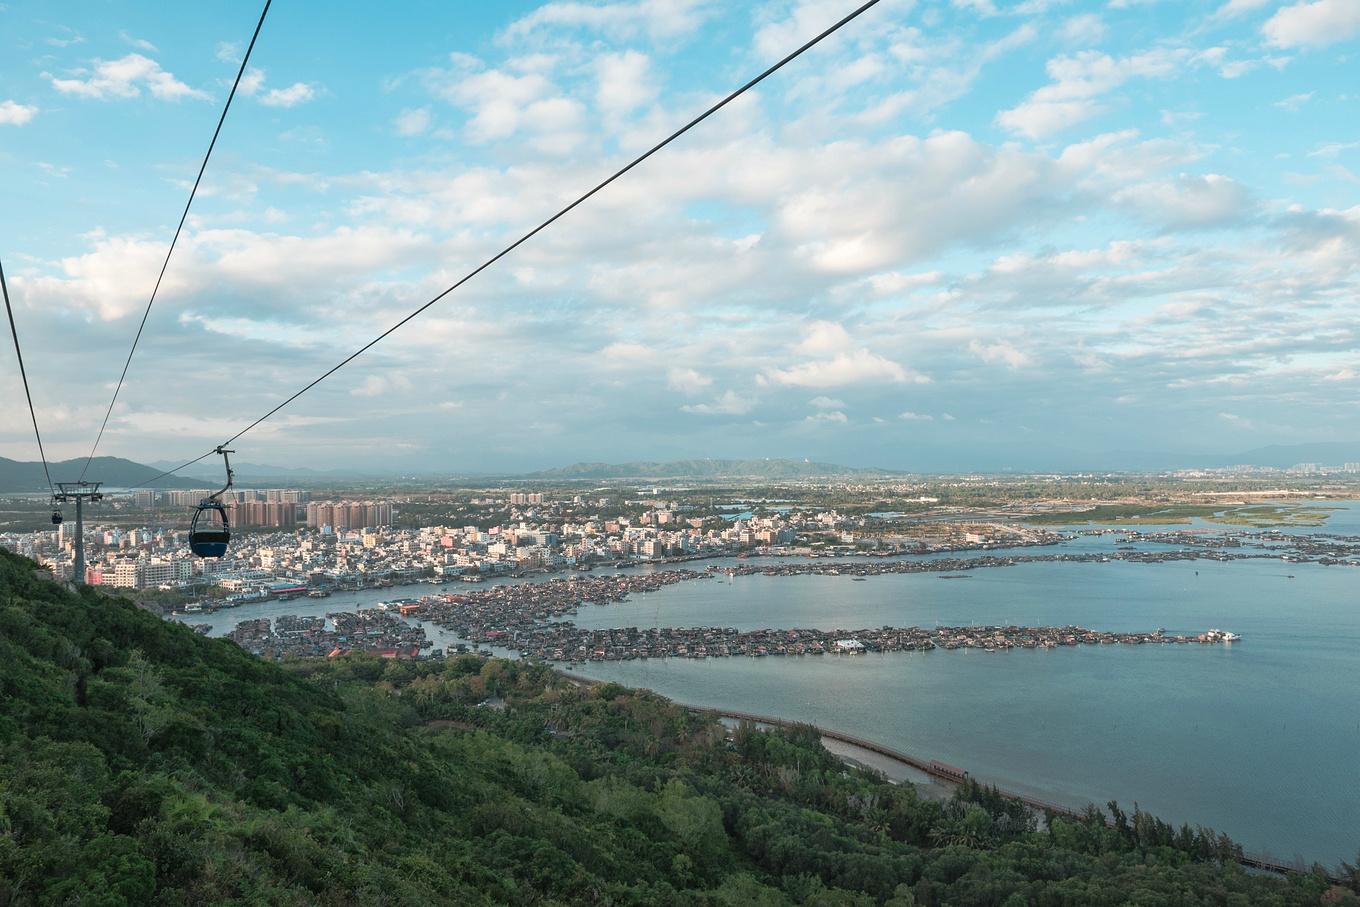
x=349, y=514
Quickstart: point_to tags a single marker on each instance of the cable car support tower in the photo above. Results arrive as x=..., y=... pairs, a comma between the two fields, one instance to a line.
x=80, y=492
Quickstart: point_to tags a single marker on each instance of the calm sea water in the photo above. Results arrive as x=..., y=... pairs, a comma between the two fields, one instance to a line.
x=1260, y=738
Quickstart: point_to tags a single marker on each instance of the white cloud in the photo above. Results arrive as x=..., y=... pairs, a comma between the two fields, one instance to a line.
x=124, y=78
x=859, y=367
x=659, y=20
x=1333, y=149
x=687, y=380
x=824, y=337
x=1294, y=102
x=897, y=282
x=252, y=80
x=1086, y=28
x=139, y=43
x=787, y=240
x=837, y=417
x=862, y=208
x=1079, y=82
x=628, y=354
x=1002, y=351
x=941, y=71
x=981, y=7
x=71, y=39
x=802, y=20
x=729, y=404
x=1314, y=24
x=624, y=82
x=1190, y=201
x=503, y=102
x=1177, y=118
x=1234, y=8
x=293, y=95
x=413, y=122
x=380, y=385
x=12, y=113
x=112, y=278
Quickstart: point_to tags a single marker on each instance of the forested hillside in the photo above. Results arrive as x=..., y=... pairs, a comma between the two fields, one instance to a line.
x=141, y=764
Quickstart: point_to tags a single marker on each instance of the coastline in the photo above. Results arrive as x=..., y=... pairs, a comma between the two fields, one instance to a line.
x=898, y=767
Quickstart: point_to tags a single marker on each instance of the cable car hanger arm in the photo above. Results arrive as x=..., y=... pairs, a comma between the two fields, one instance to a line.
x=231, y=476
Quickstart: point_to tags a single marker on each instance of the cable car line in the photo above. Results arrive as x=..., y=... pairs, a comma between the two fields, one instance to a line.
x=170, y=472
x=19, y=354
x=780, y=64
x=175, y=239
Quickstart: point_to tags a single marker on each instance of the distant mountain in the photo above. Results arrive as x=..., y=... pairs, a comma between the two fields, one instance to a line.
x=114, y=472
x=1278, y=456
x=1283, y=455
x=256, y=472
x=705, y=469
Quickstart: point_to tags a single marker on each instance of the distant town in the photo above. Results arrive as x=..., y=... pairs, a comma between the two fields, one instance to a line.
x=348, y=544
x=296, y=541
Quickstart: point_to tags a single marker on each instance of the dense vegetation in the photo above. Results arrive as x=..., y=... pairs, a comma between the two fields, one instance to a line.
x=141, y=764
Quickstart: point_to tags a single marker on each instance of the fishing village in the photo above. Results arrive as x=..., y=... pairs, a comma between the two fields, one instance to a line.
x=372, y=631
x=533, y=617
x=527, y=618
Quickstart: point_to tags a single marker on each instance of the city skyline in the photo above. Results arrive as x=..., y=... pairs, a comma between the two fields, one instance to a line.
x=956, y=231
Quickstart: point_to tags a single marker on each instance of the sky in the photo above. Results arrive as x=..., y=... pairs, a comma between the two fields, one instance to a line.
x=960, y=234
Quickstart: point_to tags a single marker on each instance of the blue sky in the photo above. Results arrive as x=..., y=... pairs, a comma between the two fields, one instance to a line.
x=963, y=234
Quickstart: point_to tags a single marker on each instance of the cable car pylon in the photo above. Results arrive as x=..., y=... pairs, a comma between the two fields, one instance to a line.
x=80, y=492
x=210, y=531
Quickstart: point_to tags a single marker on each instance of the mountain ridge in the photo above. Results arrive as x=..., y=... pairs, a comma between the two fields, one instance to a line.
x=113, y=472
x=767, y=468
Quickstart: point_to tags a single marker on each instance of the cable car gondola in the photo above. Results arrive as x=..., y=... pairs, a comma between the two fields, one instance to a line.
x=210, y=531
x=57, y=517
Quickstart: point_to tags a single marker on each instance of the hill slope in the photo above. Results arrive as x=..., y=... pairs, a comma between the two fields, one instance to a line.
x=19, y=475
x=141, y=764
